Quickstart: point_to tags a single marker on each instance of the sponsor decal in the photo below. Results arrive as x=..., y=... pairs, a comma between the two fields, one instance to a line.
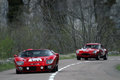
x=34, y=59
x=84, y=50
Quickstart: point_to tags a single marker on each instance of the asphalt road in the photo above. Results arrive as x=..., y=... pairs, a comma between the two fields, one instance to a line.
x=72, y=69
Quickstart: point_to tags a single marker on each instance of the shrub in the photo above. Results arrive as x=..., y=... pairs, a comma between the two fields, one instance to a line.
x=6, y=46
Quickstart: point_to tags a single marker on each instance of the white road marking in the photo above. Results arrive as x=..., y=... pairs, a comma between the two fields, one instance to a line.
x=112, y=59
x=54, y=74
x=79, y=63
x=86, y=61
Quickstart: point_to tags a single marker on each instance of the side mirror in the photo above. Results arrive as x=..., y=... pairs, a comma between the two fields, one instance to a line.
x=56, y=54
x=15, y=55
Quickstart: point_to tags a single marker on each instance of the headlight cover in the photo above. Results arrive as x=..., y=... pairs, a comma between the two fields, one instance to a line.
x=77, y=51
x=49, y=61
x=20, y=62
x=95, y=52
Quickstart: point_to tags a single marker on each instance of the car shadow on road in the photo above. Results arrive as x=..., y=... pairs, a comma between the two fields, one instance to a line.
x=14, y=73
x=92, y=59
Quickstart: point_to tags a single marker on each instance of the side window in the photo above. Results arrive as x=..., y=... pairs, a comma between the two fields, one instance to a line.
x=22, y=54
x=102, y=46
x=52, y=51
x=99, y=47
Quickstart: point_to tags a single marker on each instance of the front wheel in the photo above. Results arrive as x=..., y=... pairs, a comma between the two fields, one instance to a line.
x=98, y=57
x=18, y=72
x=55, y=68
x=78, y=58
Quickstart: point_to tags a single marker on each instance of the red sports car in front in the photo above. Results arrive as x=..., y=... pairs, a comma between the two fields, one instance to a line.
x=36, y=60
x=92, y=50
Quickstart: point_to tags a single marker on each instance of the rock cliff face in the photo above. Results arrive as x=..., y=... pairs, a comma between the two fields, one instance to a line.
x=115, y=11
x=32, y=8
x=3, y=12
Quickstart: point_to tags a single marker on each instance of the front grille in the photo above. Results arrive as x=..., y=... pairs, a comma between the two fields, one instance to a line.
x=30, y=68
x=45, y=67
x=85, y=54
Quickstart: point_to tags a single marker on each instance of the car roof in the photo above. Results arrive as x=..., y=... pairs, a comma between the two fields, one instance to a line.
x=34, y=49
x=93, y=44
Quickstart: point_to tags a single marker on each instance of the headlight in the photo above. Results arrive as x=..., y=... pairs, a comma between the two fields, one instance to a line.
x=94, y=52
x=20, y=62
x=49, y=61
x=77, y=51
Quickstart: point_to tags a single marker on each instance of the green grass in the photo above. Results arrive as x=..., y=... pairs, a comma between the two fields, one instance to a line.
x=6, y=66
x=114, y=55
x=118, y=67
x=68, y=56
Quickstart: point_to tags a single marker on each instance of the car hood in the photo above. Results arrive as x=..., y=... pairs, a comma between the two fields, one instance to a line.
x=88, y=50
x=34, y=59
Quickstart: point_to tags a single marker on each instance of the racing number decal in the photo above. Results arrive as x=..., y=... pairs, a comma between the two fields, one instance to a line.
x=34, y=59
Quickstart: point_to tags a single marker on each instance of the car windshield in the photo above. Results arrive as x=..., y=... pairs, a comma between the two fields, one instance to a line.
x=36, y=53
x=92, y=46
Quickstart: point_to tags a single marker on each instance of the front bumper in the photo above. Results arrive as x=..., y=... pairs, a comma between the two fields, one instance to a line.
x=87, y=55
x=34, y=68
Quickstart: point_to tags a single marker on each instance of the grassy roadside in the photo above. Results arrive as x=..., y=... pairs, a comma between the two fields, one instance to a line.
x=114, y=55
x=68, y=56
x=6, y=66
x=118, y=67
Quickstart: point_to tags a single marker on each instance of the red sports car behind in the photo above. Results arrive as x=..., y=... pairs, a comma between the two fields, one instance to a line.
x=36, y=60
x=92, y=50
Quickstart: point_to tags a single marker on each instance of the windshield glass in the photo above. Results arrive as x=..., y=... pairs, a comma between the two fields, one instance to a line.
x=92, y=46
x=36, y=53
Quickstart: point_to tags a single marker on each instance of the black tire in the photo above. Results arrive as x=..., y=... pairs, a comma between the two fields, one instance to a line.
x=78, y=58
x=98, y=57
x=18, y=72
x=105, y=57
x=55, y=68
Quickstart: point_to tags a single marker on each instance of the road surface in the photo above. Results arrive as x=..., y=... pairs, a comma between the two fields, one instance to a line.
x=72, y=69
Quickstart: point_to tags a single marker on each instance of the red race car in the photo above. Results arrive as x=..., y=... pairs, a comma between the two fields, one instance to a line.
x=36, y=60
x=92, y=50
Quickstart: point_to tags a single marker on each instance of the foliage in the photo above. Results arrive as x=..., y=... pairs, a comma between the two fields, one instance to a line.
x=6, y=46
x=118, y=67
x=6, y=66
x=59, y=25
x=68, y=56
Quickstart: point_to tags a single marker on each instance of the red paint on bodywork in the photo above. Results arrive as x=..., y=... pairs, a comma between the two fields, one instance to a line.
x=89, y=52
x=35, y=66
